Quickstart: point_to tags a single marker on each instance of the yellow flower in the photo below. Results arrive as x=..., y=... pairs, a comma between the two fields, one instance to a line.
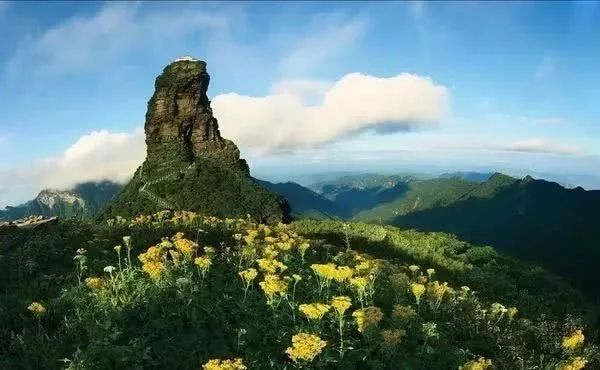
x=203, y=263
x=340, y=304
x=153, y=254
x=185, y=246
x=273, y=285
x=342, y=274
x=359, y=283
x=417, y=290
x=367, y=318
x=178, y=236
x=154, y=269
x=248, y=275
x=573, y=340
x=326, y=271
x=403, y=313
x=365, y=267
x=436, y=290
x=392, y=338
x=270, y=266
x=575, y=363
x=305, y=347
x=37, y=309
x=94, y=283
x=296, y=277
x=314, y=311
x=479, y=364
x=235, y=364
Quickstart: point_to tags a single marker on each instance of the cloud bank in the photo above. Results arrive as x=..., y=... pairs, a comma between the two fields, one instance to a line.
x=356, y=102
x=100, y=155
x=540, y=145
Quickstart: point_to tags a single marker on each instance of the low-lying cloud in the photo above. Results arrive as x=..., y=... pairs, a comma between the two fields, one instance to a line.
x=284, y=120
x=100, y=155
x=540, y=145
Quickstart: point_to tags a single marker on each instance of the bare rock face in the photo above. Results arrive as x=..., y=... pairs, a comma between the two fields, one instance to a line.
x=179, y=118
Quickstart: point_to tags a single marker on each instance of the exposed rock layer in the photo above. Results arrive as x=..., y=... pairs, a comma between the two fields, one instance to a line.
x=179, y=116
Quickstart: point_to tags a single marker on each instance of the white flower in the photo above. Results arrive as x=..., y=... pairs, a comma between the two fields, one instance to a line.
x=109, y=269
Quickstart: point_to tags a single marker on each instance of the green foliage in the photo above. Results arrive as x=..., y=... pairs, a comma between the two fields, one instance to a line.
x=304, y=203
x=491, y=274
x=207, y=187
x=171, y=309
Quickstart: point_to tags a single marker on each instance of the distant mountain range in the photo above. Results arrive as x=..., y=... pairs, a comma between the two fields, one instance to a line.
x=537, y=220
x=83, y=201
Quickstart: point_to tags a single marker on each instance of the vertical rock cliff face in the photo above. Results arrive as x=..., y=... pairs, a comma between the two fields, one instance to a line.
x=179, y=122
x=189, y=165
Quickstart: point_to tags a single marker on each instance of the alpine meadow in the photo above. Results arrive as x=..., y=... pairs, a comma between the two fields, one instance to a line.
x=315, y=185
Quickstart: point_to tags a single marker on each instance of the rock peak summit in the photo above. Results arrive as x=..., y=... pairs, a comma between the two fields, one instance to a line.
x=180, y=121
x=189, y=165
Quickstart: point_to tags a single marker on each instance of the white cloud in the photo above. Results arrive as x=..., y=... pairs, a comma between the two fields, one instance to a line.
x=327, y=36
x=115, y=30
x=100, y=155
x=540, y=145
x=355, y=102
x=308, y=91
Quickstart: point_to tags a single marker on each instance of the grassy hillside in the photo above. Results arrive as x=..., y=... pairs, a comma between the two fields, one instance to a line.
x=417, y=195
x=178, y=290
x=304, y=202
x=206, y=186
x=533, y=219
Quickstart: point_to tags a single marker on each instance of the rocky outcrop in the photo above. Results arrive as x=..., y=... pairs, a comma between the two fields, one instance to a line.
x=188, y=164
x=179, y=121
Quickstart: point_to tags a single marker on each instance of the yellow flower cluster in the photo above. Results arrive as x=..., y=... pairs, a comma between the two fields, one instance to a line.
x=235, y=364
x=184, y=217
x=155, y=258
x=185, y=246
x=270, y=266
x=340, y=304
x=248, y=275
x=305, y=347
x=417, y=290
x=575, y=363
x=273, y=286
x=154, y=269
x=436, y=291
x=331, y=271
x=574, y=340
x=37, y=309
x=367, y=318
x=94, y=283
x=314, y=311
x=392, y=338
x=479, y=364
x=203, y=263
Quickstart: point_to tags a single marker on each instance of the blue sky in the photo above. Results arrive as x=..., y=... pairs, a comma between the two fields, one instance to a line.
x=506, y=86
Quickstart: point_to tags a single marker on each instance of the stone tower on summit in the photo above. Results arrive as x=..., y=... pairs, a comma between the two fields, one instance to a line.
x=189, y=165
